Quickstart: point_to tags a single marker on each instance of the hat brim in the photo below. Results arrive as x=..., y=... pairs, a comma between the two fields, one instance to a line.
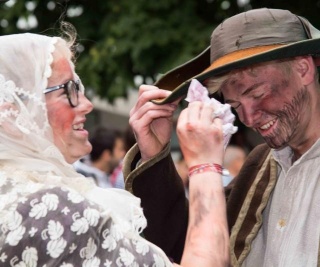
x=178, y=79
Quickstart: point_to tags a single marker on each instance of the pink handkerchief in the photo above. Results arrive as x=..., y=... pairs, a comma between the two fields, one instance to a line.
x=197, y=92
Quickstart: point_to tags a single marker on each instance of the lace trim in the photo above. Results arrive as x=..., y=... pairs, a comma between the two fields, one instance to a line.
x=48, y=69
x=10, y=94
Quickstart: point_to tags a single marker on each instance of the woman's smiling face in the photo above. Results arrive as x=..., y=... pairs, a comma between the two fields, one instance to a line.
x=67, y=122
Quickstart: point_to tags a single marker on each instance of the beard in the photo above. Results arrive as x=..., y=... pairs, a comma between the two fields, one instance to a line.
x=289, y=120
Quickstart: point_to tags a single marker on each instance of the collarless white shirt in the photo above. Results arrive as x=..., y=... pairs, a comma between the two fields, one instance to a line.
x=289, y=235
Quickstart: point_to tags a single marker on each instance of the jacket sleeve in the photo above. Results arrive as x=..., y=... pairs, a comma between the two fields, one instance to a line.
x=163, y=199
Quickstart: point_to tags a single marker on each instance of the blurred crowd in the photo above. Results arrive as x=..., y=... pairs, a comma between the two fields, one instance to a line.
x=234, y=158
x=104, y=163
x=109, y=146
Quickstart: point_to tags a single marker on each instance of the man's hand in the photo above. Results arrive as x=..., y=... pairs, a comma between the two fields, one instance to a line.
x=151, y=123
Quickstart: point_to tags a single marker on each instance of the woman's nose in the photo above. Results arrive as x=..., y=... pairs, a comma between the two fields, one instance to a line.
x=85, y=104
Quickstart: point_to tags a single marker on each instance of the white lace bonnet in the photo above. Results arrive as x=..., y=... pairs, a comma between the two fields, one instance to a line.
x=26, y=138
x=27, y=150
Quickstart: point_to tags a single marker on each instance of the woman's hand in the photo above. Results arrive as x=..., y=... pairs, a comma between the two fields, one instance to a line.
x=200, y=135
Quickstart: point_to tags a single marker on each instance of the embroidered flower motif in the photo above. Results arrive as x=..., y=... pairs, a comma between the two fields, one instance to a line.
x=109, y=243
x=55, y=229
x=139, y=221
x=81, y=226
x=16, y=229
x=111, y=236
x=14, y=220
x=115, y=232
x=142, y=247
x=75, y=197
x=6, y=200
x=90, y=250
x=92, y=216
x=38, y=211
x=126, y=257
x=30, y=257
x=57, y=244
x=56, y=247
x=88, y=253
x=49, y=202
x=3, y=257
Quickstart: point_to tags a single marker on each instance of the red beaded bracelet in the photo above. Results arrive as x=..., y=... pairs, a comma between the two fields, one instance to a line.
x=205, y=167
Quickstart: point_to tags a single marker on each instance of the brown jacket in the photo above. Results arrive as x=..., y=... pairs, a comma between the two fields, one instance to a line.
x=162, y=195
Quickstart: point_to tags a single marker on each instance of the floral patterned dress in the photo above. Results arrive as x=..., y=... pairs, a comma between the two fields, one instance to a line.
x=56, y=226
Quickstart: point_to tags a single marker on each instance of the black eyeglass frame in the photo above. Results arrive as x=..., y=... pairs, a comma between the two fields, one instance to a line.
x=65, y=87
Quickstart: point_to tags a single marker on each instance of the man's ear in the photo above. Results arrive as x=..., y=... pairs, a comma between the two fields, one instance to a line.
x=306, y=68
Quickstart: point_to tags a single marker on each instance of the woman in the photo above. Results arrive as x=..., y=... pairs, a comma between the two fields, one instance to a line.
x=49, y=214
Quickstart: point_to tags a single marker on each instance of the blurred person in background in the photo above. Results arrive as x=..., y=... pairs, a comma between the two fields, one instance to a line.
x=116, y=177
x=234, y=158
x=107, y=152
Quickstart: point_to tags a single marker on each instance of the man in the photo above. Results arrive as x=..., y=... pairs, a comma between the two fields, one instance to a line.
x=264, y=62
x=107, y=152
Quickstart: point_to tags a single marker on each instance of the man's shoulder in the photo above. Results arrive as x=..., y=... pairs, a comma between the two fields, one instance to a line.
x=258, y=154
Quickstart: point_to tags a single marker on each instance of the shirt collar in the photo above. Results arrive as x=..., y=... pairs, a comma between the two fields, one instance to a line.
x=284, y=156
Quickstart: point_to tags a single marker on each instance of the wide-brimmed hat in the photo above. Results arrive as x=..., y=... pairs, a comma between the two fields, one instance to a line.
x=252, y=37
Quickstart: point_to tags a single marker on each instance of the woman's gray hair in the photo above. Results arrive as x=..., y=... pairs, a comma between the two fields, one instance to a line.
x=69, y=34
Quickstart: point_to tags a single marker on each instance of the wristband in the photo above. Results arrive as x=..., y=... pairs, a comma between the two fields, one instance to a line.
x=205, y=167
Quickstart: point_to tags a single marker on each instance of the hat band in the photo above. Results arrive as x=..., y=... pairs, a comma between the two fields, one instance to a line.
x=241, y=54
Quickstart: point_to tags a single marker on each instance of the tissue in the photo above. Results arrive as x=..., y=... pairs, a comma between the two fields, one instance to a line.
x=197, y=92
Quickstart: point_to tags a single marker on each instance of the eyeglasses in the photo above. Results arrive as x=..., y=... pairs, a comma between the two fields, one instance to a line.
x=71, y=89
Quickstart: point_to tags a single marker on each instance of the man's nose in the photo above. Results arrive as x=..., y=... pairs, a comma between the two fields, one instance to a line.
x=249, y=115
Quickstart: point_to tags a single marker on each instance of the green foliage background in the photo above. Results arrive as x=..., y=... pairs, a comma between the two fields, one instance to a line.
x=121, y=39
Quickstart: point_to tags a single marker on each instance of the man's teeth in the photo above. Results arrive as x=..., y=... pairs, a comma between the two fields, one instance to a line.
x=78, y=126
x=267, y=125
